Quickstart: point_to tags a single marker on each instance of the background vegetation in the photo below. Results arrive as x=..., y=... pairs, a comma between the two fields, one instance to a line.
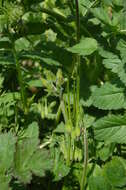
x=62, y=94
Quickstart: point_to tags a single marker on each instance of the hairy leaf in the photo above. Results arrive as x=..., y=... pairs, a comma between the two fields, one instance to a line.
x=109, y=96
x=24, y=151
x=7, y=149
x=115, y=172
x=111, y=128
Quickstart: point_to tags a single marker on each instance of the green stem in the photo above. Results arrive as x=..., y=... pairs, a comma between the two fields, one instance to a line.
x=21, y=84
x=77, y=20
x=51, y=13
x=78, y=60
x=68, y=95
x=83, y=179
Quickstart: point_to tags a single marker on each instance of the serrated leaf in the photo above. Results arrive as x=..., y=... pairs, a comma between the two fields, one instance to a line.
x=102, y=14
x=86, y=47
x=25, y=150
x=107, y=54
x=109, y=96
x=40, y=162
x=121, y=46
x=115, y=172
x=113, y=64
x=32, y=132
x=7, y=149
x=111, y=128
x=97, y=181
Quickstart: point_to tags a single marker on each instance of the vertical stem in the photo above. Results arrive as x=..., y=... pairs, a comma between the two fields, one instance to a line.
x=21, y=84
x=78, y=60
x=83, y=179
x=77, y=20
x=68, y=95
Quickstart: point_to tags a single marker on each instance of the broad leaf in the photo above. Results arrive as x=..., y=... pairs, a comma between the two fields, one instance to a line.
x=111, y=128
x=7, y=149
x=115, y=172
x=97, y=181
x=109, y=96
x=102, y=14
x=25, y=150
x=86, y=47
x=28, y=158
x=40, y=162
x=22, y=44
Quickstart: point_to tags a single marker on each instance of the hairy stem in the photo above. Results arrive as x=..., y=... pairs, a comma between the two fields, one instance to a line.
x=83, y=179
x=77, y=60
x=21, y=84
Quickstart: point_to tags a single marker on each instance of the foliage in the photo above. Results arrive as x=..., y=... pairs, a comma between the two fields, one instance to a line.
x=63, y=94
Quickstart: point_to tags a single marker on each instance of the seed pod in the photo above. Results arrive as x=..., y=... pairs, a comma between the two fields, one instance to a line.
x=33, y=89
x=110, y=12
x=68, y=127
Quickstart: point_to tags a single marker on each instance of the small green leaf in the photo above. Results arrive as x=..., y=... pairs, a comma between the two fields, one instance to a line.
x=86, y=47
x=22, y=44
x=61, y=171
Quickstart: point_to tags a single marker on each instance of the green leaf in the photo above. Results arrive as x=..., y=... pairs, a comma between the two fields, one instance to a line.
x=107, y=54
x=109, y=97
x=60, y=128
x=115, y=172
x=102, y=14
x=22, y=44
x=121, y=46
x=86, y=47
x=40, y=162
x=97, y=181
x=61, y=170
x=4, y=182
x=118, y=2
x=111, y=128
x=32, y=17
x=84, y=6
x=113, y=62
x=28, y=158
x=7, y=149
x=35, y=83
x=25, y=150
